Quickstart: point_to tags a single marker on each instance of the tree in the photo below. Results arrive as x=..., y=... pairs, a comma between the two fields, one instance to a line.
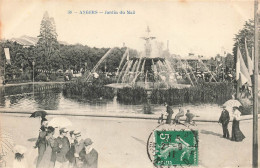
x=47, y=47
x=229, y=61
x=246, y=33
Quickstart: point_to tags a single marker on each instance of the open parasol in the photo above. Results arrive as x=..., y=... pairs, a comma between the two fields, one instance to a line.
x=60, y=122
x=232, y=103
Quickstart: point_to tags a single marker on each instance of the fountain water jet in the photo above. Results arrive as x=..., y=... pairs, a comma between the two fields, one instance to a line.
x=146, y=71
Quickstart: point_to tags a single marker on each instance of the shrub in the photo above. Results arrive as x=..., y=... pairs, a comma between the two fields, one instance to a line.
x=41, y=77
x=202, y=93
x=136, y=95
x=53, y=77
x=247, y=106
x=81, y=89
x=25, y=76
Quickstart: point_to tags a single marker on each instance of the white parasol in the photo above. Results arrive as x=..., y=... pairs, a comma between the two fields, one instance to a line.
x=60, y=122
x=232, y=103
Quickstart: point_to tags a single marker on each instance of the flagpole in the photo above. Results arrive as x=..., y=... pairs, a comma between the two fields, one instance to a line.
x=255, y=92
x=237, y=74
x=4, y=72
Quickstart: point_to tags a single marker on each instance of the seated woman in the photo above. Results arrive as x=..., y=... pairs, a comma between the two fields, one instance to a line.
x=179, y=115
x=189, y=118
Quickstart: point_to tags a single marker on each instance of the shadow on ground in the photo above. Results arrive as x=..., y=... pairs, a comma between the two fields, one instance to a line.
x=32, y=139
x=210, y=132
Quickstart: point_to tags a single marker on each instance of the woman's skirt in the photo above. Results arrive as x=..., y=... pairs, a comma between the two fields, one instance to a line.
x=237, y=135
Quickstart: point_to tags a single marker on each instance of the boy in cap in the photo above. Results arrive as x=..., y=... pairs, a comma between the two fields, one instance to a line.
x=88, y=155
x=64, y=146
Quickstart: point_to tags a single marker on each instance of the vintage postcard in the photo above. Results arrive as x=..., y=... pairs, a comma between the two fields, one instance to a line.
x=129, y=84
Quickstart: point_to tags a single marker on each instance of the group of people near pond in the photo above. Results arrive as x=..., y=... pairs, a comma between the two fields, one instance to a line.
x=226, y=115
x=169, y=113
x=64, y=151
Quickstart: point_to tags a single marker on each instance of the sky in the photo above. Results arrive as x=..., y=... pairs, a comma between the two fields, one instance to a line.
x=202, y=27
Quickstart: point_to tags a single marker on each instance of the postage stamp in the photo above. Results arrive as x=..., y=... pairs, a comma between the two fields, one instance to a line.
x=176, y=148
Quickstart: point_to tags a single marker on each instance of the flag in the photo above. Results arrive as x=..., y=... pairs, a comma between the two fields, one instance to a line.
x=7, y=55
x=242, y=74
x=249, y=61
x=238, y=64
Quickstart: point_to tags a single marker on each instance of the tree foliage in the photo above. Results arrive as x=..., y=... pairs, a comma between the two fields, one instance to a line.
x=49, y=55
x=47, y=47
x=247, y=32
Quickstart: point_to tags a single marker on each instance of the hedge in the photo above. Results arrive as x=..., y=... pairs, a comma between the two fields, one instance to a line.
x=203, y=93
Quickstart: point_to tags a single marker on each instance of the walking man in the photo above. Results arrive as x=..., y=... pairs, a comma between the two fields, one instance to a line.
x=224, y=120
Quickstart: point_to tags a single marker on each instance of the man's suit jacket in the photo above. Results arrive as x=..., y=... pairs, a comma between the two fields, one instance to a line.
x=61, y=153
x=224, y=118
x=89, y=160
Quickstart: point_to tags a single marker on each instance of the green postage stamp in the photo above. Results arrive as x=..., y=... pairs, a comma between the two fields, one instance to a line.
x=176, y=148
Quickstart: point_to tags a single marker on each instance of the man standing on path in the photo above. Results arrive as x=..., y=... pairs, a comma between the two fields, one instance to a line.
x=224, y=120
x=64, y=146
x=169, y=112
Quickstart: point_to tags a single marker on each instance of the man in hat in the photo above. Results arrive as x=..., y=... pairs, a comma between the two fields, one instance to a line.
x=169, y=113
x=88, y=155
x=41, y=141
x=74, y=144
x=224, y=120
x=64, y=146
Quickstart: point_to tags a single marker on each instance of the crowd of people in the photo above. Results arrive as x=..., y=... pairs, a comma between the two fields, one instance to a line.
x=66, y=150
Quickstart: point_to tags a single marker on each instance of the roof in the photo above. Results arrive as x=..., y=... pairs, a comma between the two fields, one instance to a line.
x=30, y=41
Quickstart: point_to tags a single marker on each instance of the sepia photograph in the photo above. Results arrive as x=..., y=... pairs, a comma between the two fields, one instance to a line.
x=129, y=84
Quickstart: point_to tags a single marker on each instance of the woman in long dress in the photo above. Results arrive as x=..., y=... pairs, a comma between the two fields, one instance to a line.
x=237, y=135
x=46, y=161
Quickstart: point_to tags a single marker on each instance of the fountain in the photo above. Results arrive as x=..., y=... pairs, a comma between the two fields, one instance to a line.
x=146, y=71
